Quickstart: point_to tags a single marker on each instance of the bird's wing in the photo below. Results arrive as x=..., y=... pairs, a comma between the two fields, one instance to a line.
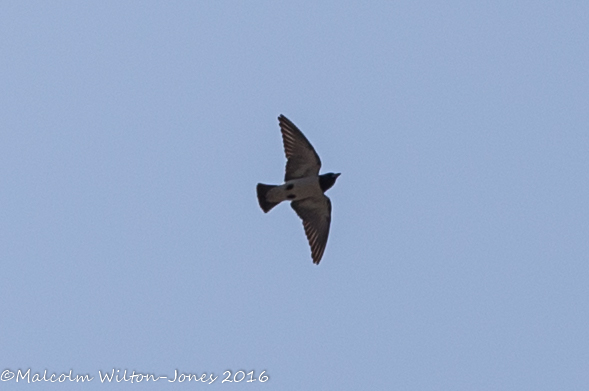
x=316, y=215
x=302, y=160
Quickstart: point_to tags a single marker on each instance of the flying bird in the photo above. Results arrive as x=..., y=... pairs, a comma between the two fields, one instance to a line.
x=303, y=186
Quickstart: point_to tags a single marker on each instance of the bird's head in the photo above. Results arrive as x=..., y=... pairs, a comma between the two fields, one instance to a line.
x=326, y=181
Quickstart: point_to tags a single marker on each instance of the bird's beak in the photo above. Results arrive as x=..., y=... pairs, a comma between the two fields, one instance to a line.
x=338, y=174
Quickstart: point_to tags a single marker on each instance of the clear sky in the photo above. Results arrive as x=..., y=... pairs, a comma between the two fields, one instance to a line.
x=132, y=136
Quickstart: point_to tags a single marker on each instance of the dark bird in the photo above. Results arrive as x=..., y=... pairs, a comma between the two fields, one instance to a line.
x=303, y=186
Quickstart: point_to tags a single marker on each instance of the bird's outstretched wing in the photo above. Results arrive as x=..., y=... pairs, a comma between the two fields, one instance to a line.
x=316, y=215
x=302, y=160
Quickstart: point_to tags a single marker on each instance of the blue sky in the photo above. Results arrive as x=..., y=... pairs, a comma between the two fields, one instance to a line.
x=132, y=136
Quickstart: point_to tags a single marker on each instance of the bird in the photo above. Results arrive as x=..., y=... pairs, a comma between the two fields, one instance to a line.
x=303, y=186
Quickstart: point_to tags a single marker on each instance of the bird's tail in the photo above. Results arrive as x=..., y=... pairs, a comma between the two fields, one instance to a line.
x=262, y=191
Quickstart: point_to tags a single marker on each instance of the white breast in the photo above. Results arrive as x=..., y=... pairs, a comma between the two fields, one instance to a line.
x=295, y=189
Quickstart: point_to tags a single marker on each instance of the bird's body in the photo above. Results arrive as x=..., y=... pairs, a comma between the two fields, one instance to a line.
x=295, y=189
x=303, y=186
